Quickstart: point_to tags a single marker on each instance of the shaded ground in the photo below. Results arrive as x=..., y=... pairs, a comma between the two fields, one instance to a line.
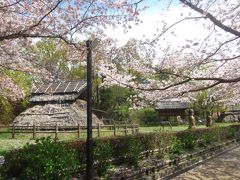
x=223, y=167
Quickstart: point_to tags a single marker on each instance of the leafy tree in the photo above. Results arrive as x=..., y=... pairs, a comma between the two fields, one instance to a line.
x=76, y=71
x=10, y=108
x=207, y=103
x=6, y=110
x=53, y=56
x=115, y=101
x=144, y=115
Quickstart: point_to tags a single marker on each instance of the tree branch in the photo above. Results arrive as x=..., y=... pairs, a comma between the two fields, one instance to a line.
x=174, y=24
x=9, y=5
x=211, y=18
x=22, y=33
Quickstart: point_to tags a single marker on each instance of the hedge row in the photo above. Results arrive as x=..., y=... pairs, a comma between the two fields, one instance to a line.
x=54, y=160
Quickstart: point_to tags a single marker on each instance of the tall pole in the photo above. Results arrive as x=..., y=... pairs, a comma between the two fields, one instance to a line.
x=89, y=112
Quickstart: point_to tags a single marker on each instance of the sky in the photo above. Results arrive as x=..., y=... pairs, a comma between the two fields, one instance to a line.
x=152, y=23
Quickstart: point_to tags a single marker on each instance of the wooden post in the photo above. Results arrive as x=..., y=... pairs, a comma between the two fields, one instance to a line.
x=13, y=131
x=34, y=131
x=56, y=132
x=126, y=129
x=114, y=130
x=78, y=131
x=99, y=130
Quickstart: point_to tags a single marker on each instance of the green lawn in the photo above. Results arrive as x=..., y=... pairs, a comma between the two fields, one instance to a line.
x=147, y=129
x=7, y=143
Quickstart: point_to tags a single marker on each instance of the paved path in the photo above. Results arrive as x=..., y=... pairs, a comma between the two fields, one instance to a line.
x=223, y=167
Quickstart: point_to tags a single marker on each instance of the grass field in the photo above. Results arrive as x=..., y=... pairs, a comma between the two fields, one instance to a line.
x=147, y=129
x=7, y=143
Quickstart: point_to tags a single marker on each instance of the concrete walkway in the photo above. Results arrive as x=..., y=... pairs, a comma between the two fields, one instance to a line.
x=223, y=167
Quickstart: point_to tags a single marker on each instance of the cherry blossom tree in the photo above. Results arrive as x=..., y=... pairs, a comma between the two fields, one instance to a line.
x=154, y=68
x=197, y=64
x=23, y=22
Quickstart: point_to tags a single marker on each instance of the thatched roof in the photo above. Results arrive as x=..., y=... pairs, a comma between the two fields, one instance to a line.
x=172, y=104
x=58, y=91
x=57, y=103
x=52, y=114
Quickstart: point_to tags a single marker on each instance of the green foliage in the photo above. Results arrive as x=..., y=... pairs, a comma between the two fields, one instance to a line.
x=163, y=141
x=114, y=100
x=190, y=140
x=144, y=116
x=102, y=155
x=58, y=160
x=132, y=151
x=51, y=55
x=7, y=111
x=176, y=147
x=44, y=160
x=76, y=72
x=22, y=79
x=205, y=103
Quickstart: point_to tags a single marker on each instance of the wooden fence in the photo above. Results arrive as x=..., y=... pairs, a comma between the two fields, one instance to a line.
x=112, y=130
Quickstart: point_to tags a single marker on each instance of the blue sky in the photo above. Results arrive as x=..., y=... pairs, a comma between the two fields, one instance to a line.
x=156, y=6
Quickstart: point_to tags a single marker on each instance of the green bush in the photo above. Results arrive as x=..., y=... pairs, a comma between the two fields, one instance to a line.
x=189, y=140
x=48, y=159
x=44, y=160
x=163, y=141
x=81, y=148
x=132, y=151
x=102, y=155
x=176, y=148
x=212, y=135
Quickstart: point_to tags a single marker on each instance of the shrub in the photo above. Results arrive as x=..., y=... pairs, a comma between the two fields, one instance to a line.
x=176, y=148
x=102, y=155
x=48, y=159
x=44, y=160
x=189, y=140
x=163, y=141
x=79, y=146
x=132, y=151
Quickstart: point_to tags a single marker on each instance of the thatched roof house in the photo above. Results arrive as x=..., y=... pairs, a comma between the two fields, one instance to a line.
x=172, y=107
x=59, y=103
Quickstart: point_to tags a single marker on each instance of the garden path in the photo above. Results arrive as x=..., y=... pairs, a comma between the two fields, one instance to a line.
x=223, y=167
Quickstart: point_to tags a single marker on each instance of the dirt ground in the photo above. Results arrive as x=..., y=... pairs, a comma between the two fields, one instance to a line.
x=223, y=167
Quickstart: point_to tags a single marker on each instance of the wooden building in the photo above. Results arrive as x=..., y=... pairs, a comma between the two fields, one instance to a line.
x=172, y=107
x=61, y=103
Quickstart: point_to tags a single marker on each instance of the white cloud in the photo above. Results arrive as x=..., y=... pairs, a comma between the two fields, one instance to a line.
x=152, y=24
